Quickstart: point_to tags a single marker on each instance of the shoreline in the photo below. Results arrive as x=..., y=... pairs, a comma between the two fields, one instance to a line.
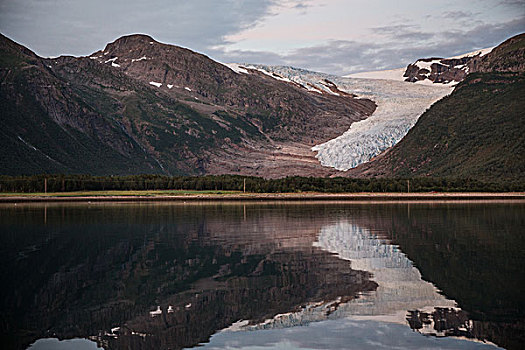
x=351, y=197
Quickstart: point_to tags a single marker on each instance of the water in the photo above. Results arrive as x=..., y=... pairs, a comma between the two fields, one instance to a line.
x=263, y=275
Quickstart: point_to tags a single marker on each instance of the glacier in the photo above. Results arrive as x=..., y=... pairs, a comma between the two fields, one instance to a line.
x=399, y=106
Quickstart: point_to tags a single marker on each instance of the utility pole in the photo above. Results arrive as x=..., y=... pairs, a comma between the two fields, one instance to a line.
x=244, y=186
x=408, y=186
x=45, y=185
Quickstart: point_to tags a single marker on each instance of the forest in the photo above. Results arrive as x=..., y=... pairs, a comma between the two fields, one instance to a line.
x=70, y=183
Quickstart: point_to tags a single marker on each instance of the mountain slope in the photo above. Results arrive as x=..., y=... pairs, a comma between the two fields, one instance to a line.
x=140, y=106
x=478, y=131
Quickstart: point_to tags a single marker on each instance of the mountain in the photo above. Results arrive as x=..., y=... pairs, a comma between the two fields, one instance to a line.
x=478, y=131
x=140, y=106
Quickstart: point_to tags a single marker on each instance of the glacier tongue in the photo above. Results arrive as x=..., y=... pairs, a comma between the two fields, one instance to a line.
x=399, y=105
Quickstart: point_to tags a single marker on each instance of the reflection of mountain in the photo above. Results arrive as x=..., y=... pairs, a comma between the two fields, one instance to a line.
x=90, y=268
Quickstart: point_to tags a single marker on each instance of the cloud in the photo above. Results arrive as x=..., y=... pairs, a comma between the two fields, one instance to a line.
x=54, y=27
x=342, y=57
x=403, y=32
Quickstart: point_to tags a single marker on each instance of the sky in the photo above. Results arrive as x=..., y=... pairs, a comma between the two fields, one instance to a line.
x=331, y=36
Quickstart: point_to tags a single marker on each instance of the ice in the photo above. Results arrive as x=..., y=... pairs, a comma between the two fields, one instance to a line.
x=155, y=84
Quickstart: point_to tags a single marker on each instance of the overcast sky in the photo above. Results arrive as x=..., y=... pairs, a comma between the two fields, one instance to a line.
x=332, y=36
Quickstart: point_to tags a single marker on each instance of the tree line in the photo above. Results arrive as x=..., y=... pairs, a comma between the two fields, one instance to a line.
x=69, y=183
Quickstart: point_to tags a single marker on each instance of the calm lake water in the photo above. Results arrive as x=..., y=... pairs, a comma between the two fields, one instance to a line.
x=263, y=275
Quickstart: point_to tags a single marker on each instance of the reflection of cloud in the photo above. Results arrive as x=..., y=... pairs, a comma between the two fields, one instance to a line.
x=338, y=334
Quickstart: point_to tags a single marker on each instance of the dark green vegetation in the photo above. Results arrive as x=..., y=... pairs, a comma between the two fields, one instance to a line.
x=69, y=183
x=478, y=131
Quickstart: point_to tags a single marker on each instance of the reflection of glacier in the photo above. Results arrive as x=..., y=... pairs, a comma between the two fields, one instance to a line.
x=400, y=285
x=399, y=106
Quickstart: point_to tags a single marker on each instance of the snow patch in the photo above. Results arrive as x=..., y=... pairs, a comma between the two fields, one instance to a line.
x=155, y=84
x=113, y=64
x=143, y=58
x=187, y=88
x=169, y=86
x=111, y=60
x=427, y=64
x=270, y=74
x=237, y=68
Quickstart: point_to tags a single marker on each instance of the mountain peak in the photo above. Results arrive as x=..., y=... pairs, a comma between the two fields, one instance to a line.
x=131, y=41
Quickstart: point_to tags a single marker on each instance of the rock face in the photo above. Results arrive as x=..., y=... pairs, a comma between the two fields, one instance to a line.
x=477, y=131
x=444, y=70
x=142, y=106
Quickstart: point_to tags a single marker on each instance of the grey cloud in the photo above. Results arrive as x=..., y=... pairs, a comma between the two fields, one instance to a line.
x=53, y=27
x=343, y=57
x=520, y=3
x=403, y=32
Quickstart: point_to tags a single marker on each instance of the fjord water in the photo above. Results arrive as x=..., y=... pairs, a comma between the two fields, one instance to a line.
x=292, y=275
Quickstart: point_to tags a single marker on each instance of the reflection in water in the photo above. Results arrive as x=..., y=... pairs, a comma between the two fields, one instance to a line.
x=149, y=276
x=400, y=285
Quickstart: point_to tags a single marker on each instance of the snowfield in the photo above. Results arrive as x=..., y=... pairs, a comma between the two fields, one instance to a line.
x=399, y=105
